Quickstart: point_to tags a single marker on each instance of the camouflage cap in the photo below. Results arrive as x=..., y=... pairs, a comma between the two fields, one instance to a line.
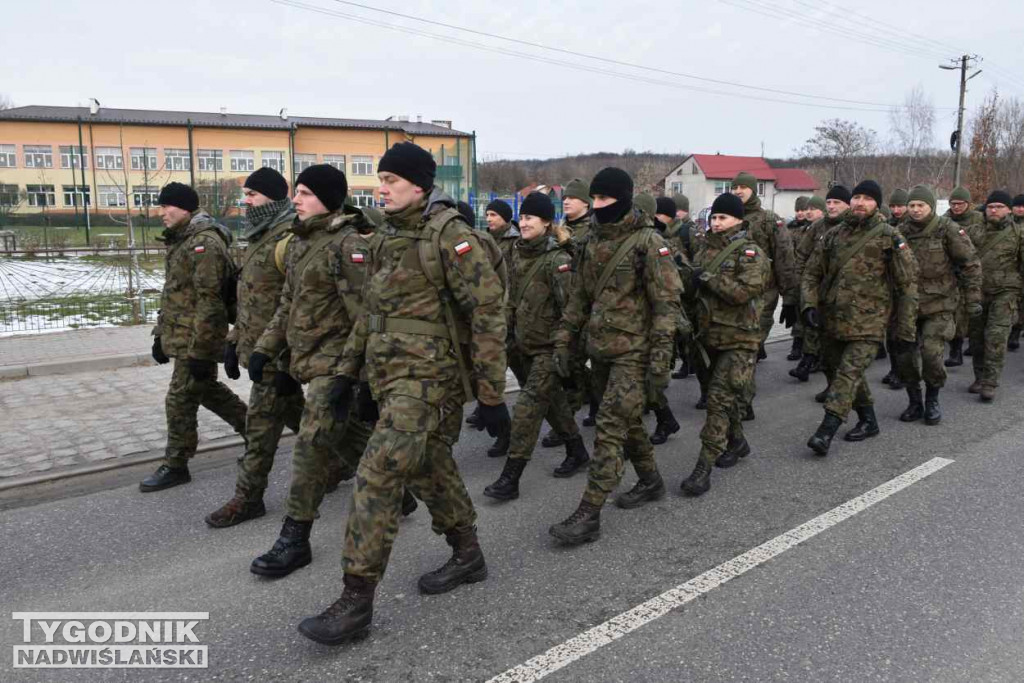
x=816, y=203
x=646, y=202
x=746, y=180
x=801, y=203
x=899, y=197
x=577, y=188
x=682, y=202
x=960, y=194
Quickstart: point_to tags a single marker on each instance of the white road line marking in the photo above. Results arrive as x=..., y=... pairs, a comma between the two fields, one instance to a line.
x=608, y=632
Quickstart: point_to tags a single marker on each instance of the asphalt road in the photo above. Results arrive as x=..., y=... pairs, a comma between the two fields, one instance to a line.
x=925, y=585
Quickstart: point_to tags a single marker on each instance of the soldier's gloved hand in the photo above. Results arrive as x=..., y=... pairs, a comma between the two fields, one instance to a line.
x=901, y=346
x=496, y=419
x=202, y=370
x=812, y=318
x=285, y=384
x=256, y=362
x=974, y=310
x=231, y=361
x=158, y=352
x=339, y=397
x=366, y=407
x=695, y=281
x=655, y=385
x=563, y=367
x=788, y=316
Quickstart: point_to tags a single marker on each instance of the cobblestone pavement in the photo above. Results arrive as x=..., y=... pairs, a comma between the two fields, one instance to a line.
x=52, y=347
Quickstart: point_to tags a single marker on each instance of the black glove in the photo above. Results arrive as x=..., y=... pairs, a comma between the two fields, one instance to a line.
x=202, y=370
x=496, y=419
x=563, y=368
x=231, y=361
x=256, y=362
x=812, y=318
x=901, y=346
x=285, y=384
x=695, y=281
x=158, y=352
x=788, y=315
x=366, y=407
x=339, y=397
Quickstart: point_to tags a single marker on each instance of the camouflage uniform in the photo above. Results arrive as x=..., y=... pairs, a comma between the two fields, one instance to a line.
x=630, y=328
x=584, y=381
x=729, y=304
x=685, y=237
x=539, y=305
x=193, y=324
x=941, y=248
x=1002, y=269
x=416, y=376
x=796, y=229
x=814, y=233
x=259, y=290
x=764, y=228
x=968, y=220
x=856, y=308
x=320, y=303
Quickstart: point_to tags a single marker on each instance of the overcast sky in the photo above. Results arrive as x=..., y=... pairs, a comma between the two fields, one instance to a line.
x=256, y=56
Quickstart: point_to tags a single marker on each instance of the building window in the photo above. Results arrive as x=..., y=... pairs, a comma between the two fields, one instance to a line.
x=9, y=195
x=38, y=156
x=177, y=160
x=145, y=195
x=71, y=157
x=362, y=198
x=111, y=196
x=722, y=186
x=677, y=188
x=143, y=158
x=335, y=160
x=694, y=170
x=77, y=195
x=109, y=158
x=450, y=160
x=8, y=157
x=304, y=161
x=274, y=160
x=243, y=160
x=760, y=188
x=210, y=159
x=40, y=195
x=362, y=165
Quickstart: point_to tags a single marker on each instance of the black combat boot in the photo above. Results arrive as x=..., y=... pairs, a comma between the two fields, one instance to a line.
x=649, y=487
x=761, y=353
x=822, y=395
x=291, y=551
x=815, y=364
x=702, y=402
x=748, y=414
x=866, y=427
x=348, y=618
x=474, y=418
x=466, y=565
x=699, y=481
x=164, y=478
x=576, y=457
x=667, y=425
x=914, y=411
x=581, y=526
x=236, y=511
x=409, y=503
x=796, y=351
x=507, y=485
x=500, y=447
x=803, y=370
x=881, y=354
x=591, y=419
x=896, y=384
x=1013, y=343
x=822, y=438
x=932, y=412
x=737, y=448
x=552, y=440
x=684, y=370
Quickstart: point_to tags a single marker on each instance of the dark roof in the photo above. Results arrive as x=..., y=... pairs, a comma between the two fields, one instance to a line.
x=210, y=120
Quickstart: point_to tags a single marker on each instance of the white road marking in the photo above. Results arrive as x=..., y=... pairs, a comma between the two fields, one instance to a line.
x=608, y=632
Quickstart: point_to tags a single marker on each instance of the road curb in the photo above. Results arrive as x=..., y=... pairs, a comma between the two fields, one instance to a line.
x=67, y=367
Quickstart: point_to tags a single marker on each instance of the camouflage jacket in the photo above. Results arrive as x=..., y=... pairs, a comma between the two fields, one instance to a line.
x=193, y=318
x=857, y=305
x=506, y=241
x=796, y=229
x=967, y=220
x=635, y=319
x=259, y=287
x=321, y=301
x=539, y=303
x=424, y=366
x=1002, y=257
x=730, y=300
x=941, y=249
x=811, y=236
x=765, y=229
x=580, y=227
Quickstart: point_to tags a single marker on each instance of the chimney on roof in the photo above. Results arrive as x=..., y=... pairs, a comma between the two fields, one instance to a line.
x=284, y=113
x=442, y=123
x=403, y=118
x=94, y=106
x=223, y=111
x=419, y=118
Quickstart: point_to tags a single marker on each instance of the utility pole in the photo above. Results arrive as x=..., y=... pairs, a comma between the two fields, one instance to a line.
x=957, y=140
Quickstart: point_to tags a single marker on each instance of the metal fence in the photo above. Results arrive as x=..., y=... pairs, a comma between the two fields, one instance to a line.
x=478, y=202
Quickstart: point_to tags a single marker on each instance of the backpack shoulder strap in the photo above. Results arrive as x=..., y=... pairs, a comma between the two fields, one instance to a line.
x=281, y=251
x=855, y=249
x=529, y=275
x=721, y=256
x=620, y=254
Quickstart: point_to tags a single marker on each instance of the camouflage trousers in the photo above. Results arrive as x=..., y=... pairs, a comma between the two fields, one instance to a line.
x=269, y=413
x=960, y=317
x=411, y=447
x=519, y=364
x=584, y=381
x=731, y=373
x=184, y=396
x=541, y=395
x=989, y=333
x=322, y=442
x=620, y=430
x=771, y=302
x=926, y=360
x=845, y=363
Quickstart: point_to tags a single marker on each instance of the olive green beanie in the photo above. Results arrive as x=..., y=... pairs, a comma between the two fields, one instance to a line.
x=922, y=193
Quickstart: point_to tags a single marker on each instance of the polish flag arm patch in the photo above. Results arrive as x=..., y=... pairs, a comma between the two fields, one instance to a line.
x=463, y=248
x=358, y=257
x=749, y=253
x=563, y=268
x=200, y=249
x=664, y=251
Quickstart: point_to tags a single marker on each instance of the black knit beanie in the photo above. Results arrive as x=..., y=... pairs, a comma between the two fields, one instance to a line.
x=729, y=204
x=538, y=204
x=667, y=207
x=179, y=195
x=502, y=209
x=839, y=192
x=1018, y=200
x=869, y=188
x=999, y=197
x=327, y=183
x=467, y=212
x=612, y=182
x=411, y=162
x=267, y=182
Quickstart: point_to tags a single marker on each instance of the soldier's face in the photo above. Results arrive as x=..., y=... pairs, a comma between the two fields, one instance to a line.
x=743, y=192
x=397, y=193
x=835, y=207
x=495, y=223
x=918, y=210
x=573, y=207
x=898, y=210
x=814, y=214
x=682, y=215
x=996, y=211
x=863, y=205
x=958, y=207
x=254, y=198
x=664, y=218
x=306, y=203
x=1018, y=211
x=173, y=216
x=532, y=227
x=801, y=214
x=603, y=200
x=722, y=222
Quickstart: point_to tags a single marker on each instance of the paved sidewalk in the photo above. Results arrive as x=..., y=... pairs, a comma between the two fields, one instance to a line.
x=74, y=350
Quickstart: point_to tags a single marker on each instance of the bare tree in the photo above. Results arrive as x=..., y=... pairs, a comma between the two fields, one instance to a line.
x=6, y=102
x=846, y=144
x=913, y=129
x=984, y=149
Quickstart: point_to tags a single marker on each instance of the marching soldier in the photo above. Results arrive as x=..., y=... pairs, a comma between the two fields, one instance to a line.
x=961, y=213
x=690, y=235
x=1018, y=217
x=796, y=229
